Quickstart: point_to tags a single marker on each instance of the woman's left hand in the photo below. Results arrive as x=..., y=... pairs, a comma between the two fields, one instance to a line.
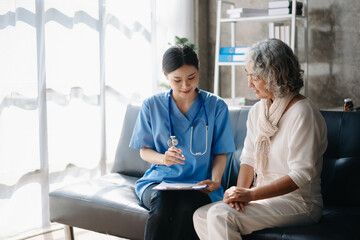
x=237, y=194
x=212, y=185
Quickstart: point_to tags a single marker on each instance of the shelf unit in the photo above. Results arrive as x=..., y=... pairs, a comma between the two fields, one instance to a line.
x=232, y=21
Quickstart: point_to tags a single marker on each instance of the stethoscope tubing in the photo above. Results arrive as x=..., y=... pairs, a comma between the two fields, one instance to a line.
x=171, y=129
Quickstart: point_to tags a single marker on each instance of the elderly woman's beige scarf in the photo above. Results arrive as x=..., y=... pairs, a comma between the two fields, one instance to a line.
x=270, y=115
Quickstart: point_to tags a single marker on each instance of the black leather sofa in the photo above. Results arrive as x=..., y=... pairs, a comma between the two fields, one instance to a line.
x=109, y=205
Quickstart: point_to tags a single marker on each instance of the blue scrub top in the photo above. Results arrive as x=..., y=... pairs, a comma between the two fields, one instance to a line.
x=152, y=131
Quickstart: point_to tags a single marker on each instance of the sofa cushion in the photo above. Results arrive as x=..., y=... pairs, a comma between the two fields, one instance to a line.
x=340, y=181
x=343, y=134
x=238, y=118
x=341, y=167
x=128, y=160
x=337, y=222
x=107, y=205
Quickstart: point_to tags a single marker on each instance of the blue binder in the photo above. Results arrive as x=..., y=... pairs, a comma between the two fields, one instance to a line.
x=232, y=58
x=233, y=50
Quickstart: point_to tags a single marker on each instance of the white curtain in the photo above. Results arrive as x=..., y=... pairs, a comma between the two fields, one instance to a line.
x=68, y=68
x=173, y=18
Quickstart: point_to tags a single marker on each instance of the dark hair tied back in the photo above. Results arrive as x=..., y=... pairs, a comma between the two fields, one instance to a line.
x=177, y=56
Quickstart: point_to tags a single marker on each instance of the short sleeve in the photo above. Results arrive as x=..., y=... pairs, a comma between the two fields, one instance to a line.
x=142, y=136
x=223, y=139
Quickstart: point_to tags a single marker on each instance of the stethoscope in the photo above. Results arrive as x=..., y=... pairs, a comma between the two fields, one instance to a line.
x=173, y=141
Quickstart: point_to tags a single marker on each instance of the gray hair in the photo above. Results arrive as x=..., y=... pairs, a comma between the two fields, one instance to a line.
x=273, y=61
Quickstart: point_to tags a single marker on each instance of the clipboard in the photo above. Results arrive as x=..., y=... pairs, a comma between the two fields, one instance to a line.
x=179, y=186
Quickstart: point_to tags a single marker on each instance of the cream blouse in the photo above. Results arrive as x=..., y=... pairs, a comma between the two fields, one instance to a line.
x=296, y=149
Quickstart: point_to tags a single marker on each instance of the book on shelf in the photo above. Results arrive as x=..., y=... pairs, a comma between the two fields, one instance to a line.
x=280, y=31
x=282, y=4
x=234, y=50
x=274, y=29
x=271, y=29
x=287, y=35
x=283, y=11
x=240, y=15
x=246, y=10
x=277, y=31
x=232, y=58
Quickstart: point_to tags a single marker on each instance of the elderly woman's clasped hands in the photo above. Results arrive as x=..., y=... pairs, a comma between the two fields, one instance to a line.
x=237, y=197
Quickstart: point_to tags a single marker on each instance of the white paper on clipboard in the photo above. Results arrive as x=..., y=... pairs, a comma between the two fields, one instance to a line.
x=179, y=186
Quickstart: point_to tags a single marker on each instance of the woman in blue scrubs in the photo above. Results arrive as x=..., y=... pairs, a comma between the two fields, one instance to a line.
x=185, y=134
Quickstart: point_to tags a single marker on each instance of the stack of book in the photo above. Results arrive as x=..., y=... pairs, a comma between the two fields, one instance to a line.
x=232, y=54
x=280, y=31
x=246, y=12
x=284, y=7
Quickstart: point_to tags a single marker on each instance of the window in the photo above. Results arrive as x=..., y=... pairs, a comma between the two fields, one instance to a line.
x=63, y=63
x=68, y=68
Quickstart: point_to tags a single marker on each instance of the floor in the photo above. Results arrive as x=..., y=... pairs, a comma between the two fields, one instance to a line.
x=80, y=234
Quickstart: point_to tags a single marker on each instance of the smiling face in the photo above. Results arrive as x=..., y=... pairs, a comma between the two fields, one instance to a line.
x=183, y=82
x=258, y=85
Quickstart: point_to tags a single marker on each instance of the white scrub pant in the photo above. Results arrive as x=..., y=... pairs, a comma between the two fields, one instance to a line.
x=218, y=220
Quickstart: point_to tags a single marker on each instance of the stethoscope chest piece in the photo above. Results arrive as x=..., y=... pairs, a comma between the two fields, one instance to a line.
x=172, y=141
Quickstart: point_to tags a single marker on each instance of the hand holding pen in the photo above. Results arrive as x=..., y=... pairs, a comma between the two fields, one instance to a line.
x=173, y=156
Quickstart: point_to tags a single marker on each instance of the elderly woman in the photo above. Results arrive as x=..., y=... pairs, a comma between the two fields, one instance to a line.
x=279, y=178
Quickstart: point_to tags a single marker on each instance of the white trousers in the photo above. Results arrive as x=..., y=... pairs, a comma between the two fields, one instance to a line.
x=218, y=220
